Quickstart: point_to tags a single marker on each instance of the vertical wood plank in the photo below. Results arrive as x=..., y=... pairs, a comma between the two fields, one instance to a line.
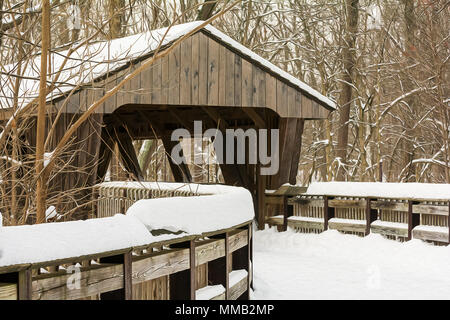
x=24, y=286
x=147, y=84
x=410, y=220
x=174, y=76
x=195, y=67
x=213, y=72
x=203, y=70
x=229, y=78
x=259, y=88
x=298, y=103
x=237, y=80
x=282, y=102
x=156, y=87
x=110, y=103
x=247, y=84
x=271, y=92
x=292, y=112
x=185, y=75
x=222, y=74
x=166, y=81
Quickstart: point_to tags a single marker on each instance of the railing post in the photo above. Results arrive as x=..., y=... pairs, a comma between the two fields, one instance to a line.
x=126, y=293
x=410, y=227
x=218, y=270
x=328, y=212
x=288, y=211
x=182, y=284
x=371, y=216
x=241, y=260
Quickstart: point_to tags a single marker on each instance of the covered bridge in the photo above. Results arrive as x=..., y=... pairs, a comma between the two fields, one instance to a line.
x=208, y=77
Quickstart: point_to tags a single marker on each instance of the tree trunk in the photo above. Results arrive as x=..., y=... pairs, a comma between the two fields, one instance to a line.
x=41, y=187
x=351, y=26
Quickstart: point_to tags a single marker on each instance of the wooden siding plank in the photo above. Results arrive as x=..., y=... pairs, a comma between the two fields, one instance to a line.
x=195, y=68
x=110, y=103
x=185, y=74
x=156, y=86
x=174, y=76
x=213, y=72
x=271, y=92
x=237, y=80
x=259, y=88
x=203, y=70
x=282, y=100
x=247, y=84
x=230, y=78
x=222, y=74
x=148, y=84
x=166, y=81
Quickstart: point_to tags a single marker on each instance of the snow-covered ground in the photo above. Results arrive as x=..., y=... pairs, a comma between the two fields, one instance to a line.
x=331, y=265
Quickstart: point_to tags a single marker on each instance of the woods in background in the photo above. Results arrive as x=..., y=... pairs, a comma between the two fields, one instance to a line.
x=386, y=64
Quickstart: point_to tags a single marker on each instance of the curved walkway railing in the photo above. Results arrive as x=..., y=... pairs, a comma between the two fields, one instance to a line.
x=160, y=249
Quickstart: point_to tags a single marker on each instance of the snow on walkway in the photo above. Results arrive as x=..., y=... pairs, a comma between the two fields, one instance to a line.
x=331, y=265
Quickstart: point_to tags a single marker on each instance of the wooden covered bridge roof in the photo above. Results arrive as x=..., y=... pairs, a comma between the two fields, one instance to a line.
x=206, y=69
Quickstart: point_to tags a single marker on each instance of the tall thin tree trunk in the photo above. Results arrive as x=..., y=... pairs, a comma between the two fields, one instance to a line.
x=351, y=26
x=41, y=188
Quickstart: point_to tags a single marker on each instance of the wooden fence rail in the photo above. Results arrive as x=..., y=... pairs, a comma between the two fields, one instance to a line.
x=115, y=275
x=399, y=219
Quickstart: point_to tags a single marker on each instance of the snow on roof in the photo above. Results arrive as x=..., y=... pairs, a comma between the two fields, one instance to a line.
x=423, y=191
x=146, y=222
x=92, y=61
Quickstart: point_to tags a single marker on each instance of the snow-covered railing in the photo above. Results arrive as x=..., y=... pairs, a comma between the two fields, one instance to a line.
x=117, y=196
x=395, y=210
x=168, y=240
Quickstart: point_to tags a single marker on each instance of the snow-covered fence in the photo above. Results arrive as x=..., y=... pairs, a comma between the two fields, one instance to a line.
x=117, y=196
x=118, y=257
x=395, y=210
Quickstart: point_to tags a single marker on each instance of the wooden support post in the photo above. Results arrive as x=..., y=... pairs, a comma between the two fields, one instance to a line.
x=182, y=284
x=410, y=227
x=241, y=260
x=413, y=219
x=126, y=292
x=23, y=279
x=371, y=216
x=218, y=270
x=288, y=211
x=328, y=213
x=261, y=198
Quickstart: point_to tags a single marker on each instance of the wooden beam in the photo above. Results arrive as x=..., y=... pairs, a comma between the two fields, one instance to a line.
x=255, y=117
x=215, y=116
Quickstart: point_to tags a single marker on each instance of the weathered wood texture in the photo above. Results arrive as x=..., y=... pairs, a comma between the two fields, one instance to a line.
x=395, y=219
x=148, y=273
x=202, y=71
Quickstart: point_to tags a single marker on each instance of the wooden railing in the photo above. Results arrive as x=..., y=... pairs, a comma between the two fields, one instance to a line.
x=124, y=274
x=400, y=219
x=180, y=268
x=112, y=198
